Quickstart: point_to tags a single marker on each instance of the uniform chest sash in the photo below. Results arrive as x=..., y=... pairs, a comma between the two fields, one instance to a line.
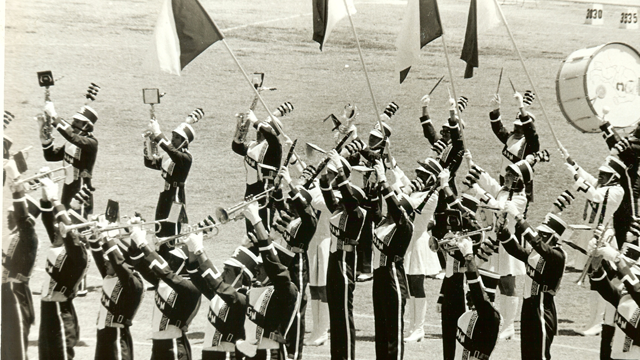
x=72, y=155
x=218, y=329
x=291, y=232
x=627, y=334
x=464, y=336
x=595, y=210
x=255, y=323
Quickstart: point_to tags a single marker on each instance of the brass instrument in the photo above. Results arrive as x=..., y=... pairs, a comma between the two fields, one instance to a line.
x=592, y=262
x=151, y=146
x=192, y=229
x=235, y=212
x=95, y=230
x=37, y=184
x=450, y=241
x=46, y=173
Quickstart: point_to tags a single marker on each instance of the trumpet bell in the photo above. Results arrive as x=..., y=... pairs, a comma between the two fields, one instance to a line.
x=222, y=215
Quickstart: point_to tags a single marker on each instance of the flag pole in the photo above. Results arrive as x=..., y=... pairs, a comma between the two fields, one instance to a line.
x=515, y=46
x=364, y=67
x=246, y=76
x=453, y=89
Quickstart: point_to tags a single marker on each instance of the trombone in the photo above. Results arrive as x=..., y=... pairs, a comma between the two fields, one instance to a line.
x=235, y=212
x=449, y=243
x=192, y=230
x=46, y=173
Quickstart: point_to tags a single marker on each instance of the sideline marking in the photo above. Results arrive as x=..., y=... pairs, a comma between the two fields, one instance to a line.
x=265, y=22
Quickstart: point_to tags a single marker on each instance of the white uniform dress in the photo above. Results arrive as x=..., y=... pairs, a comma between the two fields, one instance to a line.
x=318, y=249
x=504, y=264
x=419, y=258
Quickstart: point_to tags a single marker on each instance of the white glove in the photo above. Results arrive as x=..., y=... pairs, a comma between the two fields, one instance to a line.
x=426, y=100
x=49, y=189
x=251, y=117
x=593, y=244
x=251, y=212
x=154, y=127
x=495, y=102
x=379, y=169
x=511, y=209
x=284, y=173
x=572, y=170
x=467, y=156
x=335, y=158
x=194, y=243
x=466, y=246
x=607, y=253
x=139, y=236
x=519, y=99
x=50, y=109
x=452, y=104
x=11, y=170
x=443, y=177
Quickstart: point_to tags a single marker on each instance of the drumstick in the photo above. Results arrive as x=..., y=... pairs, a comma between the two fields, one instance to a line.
x=513, y=87
x=436, y=85
x=499, y=81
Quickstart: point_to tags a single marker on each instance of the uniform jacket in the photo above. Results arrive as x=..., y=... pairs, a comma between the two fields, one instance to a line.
x=262, y=159
x=19, y=250
x=393, y=235
x=175, y=168
x=79, y=151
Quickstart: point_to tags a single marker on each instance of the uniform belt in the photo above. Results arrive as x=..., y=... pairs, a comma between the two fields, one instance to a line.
x=294, y=249
x=345, y=247
x=175, y=184
x=18, y=279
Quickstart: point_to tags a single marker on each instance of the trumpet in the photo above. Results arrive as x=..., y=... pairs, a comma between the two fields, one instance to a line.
x=37, y=184
x=95, y=230
x=451, y=242
x=235, y=212
x=192, y=229
x=46, y=173
x=591, y=260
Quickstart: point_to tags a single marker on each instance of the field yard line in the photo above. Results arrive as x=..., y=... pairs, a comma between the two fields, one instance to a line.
x=265, y=22
x=89, y=276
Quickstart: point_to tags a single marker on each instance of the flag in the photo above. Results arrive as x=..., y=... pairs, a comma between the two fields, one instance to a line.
x=183, y=31
x=420, y=26
x=483, y=15
x=326, y=14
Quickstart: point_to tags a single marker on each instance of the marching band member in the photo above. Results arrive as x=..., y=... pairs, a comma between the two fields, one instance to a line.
x=79, y=150
x=225, y=320
x=452, y=295
x=262, y=156
x=347, y=221
x=175, y=170
x=19, y=250
x=516, y=175
x=477, y=328
x=391, y=240
x=625, y=342
x=628, y=150
x=297, y=224
x=318, y=255
x=604, y=195
x=545, y=262
x=122, y=293
x=67, y=263
x=176, y=299
x=520, y=142
x=420, y=260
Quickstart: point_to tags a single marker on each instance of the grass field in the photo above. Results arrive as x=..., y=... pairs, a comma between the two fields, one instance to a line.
x=110, y=43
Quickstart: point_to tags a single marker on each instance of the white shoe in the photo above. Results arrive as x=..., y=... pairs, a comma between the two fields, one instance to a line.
x=508, y=333
x=416, y=336
x=411, y=315
x=319, y=341
x=592, y=331
x=247, y=348
x=364, y=277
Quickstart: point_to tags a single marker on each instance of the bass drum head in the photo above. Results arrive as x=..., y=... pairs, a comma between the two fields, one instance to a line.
x=604, y=78
x=613, y=83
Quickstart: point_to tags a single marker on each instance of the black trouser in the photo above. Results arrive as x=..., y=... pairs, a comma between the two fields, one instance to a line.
x=114, y=344
x=272, y=354
x=17, y=316
x=340, y=287
x=163, y=209
x=299, y=270
x=605, y=341
x=538, y=326
x=365, y=250
x=70, y=190
x=389, y=298
x=453, y=305
x=167, y=349
x=59, y=330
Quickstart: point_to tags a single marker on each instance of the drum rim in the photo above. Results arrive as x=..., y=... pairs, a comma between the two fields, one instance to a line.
x=584, y=85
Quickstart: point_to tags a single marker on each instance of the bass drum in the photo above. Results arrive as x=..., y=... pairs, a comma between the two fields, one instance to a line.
x=605, y=77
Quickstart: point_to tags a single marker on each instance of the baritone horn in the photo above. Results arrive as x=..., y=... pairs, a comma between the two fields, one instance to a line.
x=235, y=212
